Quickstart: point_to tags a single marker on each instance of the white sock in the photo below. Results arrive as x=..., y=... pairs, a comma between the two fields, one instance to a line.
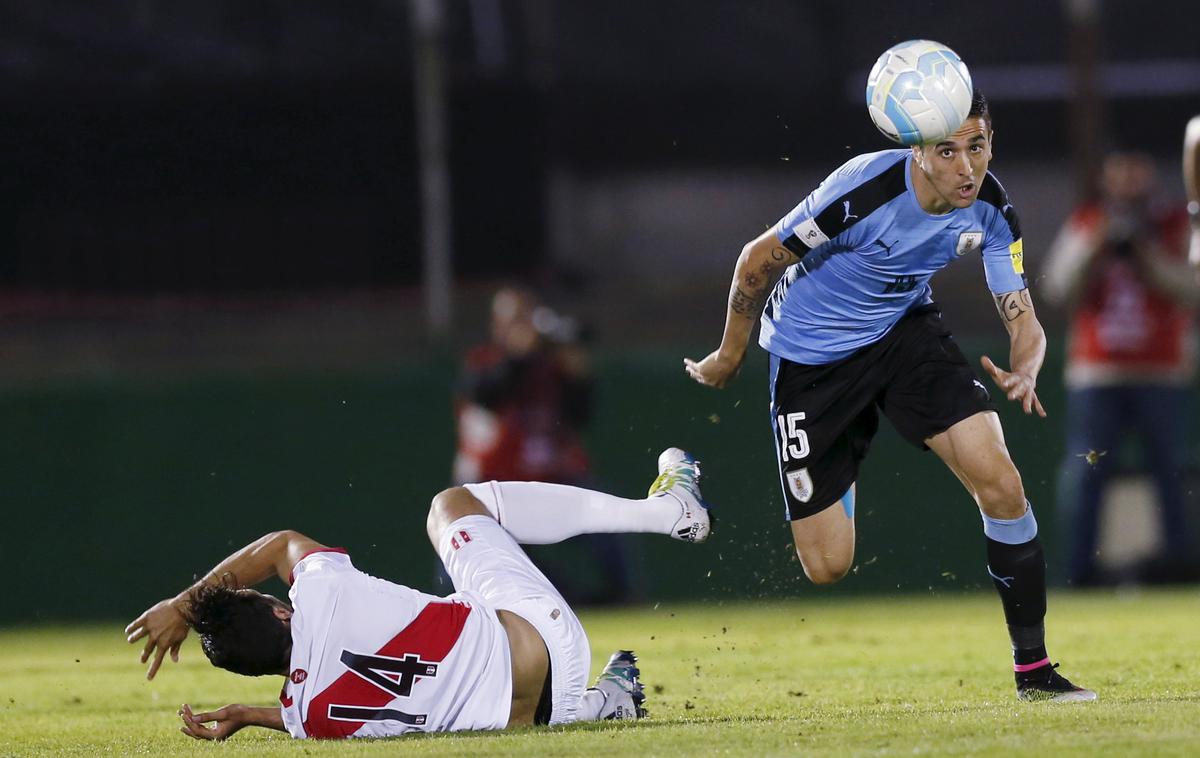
x=536, y=513
x=590, y=705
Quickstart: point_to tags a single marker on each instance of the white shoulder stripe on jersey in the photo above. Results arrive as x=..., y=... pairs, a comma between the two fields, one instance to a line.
x=810, y=234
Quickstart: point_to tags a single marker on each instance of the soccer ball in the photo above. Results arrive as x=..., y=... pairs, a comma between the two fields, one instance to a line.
x=918, y=92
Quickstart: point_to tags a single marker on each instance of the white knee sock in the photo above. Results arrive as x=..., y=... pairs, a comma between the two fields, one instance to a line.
x=536, y=513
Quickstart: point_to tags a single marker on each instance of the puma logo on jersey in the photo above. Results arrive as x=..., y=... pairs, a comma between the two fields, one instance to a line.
x=846, y=208
x=887, y=249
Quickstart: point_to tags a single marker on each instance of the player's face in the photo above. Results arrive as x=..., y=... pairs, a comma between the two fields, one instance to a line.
x=950, y=172
x=512, y=322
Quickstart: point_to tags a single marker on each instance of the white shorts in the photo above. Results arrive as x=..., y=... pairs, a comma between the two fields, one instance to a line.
x=493, y=566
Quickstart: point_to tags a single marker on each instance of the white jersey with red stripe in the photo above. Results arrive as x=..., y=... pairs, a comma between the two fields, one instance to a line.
x=375, y=659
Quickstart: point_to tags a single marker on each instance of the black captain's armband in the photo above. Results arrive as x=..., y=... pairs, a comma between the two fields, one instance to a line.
x=848, y=209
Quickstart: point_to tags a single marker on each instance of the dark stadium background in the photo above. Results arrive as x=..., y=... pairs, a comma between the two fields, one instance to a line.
x=216, y=311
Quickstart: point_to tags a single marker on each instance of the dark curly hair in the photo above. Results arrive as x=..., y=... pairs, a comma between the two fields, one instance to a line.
x=239, y=630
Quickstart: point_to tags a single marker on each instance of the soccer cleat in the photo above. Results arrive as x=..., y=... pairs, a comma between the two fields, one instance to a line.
x=678, y=477
x=623, y=695
x=1044, y=683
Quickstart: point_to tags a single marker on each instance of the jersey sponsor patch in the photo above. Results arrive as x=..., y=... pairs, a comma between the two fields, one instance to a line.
x=968, y=242
x=1016, y=254
x=810, y=234
x=800, y=484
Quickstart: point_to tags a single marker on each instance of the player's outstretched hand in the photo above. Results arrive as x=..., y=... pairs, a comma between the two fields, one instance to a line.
x=164, y=628
x=1016, y=385
x=714, y=371
x=227, y=721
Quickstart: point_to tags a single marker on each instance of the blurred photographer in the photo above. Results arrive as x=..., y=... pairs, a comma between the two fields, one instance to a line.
x=1120, y=265
x=524, y=397
x=523, y=401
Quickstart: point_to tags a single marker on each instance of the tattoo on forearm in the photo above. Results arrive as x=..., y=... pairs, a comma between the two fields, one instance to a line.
x=745, y=303
x=1013, y=304
x=749, y=291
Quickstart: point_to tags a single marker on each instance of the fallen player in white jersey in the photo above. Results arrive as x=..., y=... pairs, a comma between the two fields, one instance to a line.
x=365, y=657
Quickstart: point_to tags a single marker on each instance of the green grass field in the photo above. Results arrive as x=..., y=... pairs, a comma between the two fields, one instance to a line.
x=925, y=675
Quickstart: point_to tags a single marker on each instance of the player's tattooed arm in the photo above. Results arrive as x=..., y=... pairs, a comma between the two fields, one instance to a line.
x=1027, y=350
x=742, y=302
x=1013, y=305
x=759, y=265
x=749, y=291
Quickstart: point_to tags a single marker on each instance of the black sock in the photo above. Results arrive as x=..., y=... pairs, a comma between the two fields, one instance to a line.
x=1019, y=573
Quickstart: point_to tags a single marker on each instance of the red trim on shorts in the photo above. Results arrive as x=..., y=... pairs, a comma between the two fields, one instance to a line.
x=292, y=573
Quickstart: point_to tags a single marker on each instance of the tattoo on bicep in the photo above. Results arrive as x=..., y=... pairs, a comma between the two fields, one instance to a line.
x=780, y=254
x=1012, y=305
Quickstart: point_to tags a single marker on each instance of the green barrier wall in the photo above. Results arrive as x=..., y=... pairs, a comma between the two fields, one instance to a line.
x=116, y=493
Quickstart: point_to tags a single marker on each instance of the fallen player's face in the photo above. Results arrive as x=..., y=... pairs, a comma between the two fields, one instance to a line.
x=955, y=167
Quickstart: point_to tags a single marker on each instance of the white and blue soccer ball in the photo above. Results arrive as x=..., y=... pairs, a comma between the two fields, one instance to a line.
x=918, y=92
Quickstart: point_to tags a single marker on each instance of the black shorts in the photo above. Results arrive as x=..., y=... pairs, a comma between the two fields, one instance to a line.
x=824, y=417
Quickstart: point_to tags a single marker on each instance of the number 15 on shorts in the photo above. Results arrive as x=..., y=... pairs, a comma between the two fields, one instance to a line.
x=794, y=440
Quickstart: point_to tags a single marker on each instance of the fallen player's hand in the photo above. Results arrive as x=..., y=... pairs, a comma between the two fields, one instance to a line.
x=164, y=627
x=1018, y=386
x=227, y=721
x=715, y=370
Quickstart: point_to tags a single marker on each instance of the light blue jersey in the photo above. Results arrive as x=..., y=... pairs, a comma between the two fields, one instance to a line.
x=867, y=252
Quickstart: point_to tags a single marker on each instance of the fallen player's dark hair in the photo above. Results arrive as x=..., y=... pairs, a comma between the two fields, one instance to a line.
x=979, y=108
x=239, y=630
